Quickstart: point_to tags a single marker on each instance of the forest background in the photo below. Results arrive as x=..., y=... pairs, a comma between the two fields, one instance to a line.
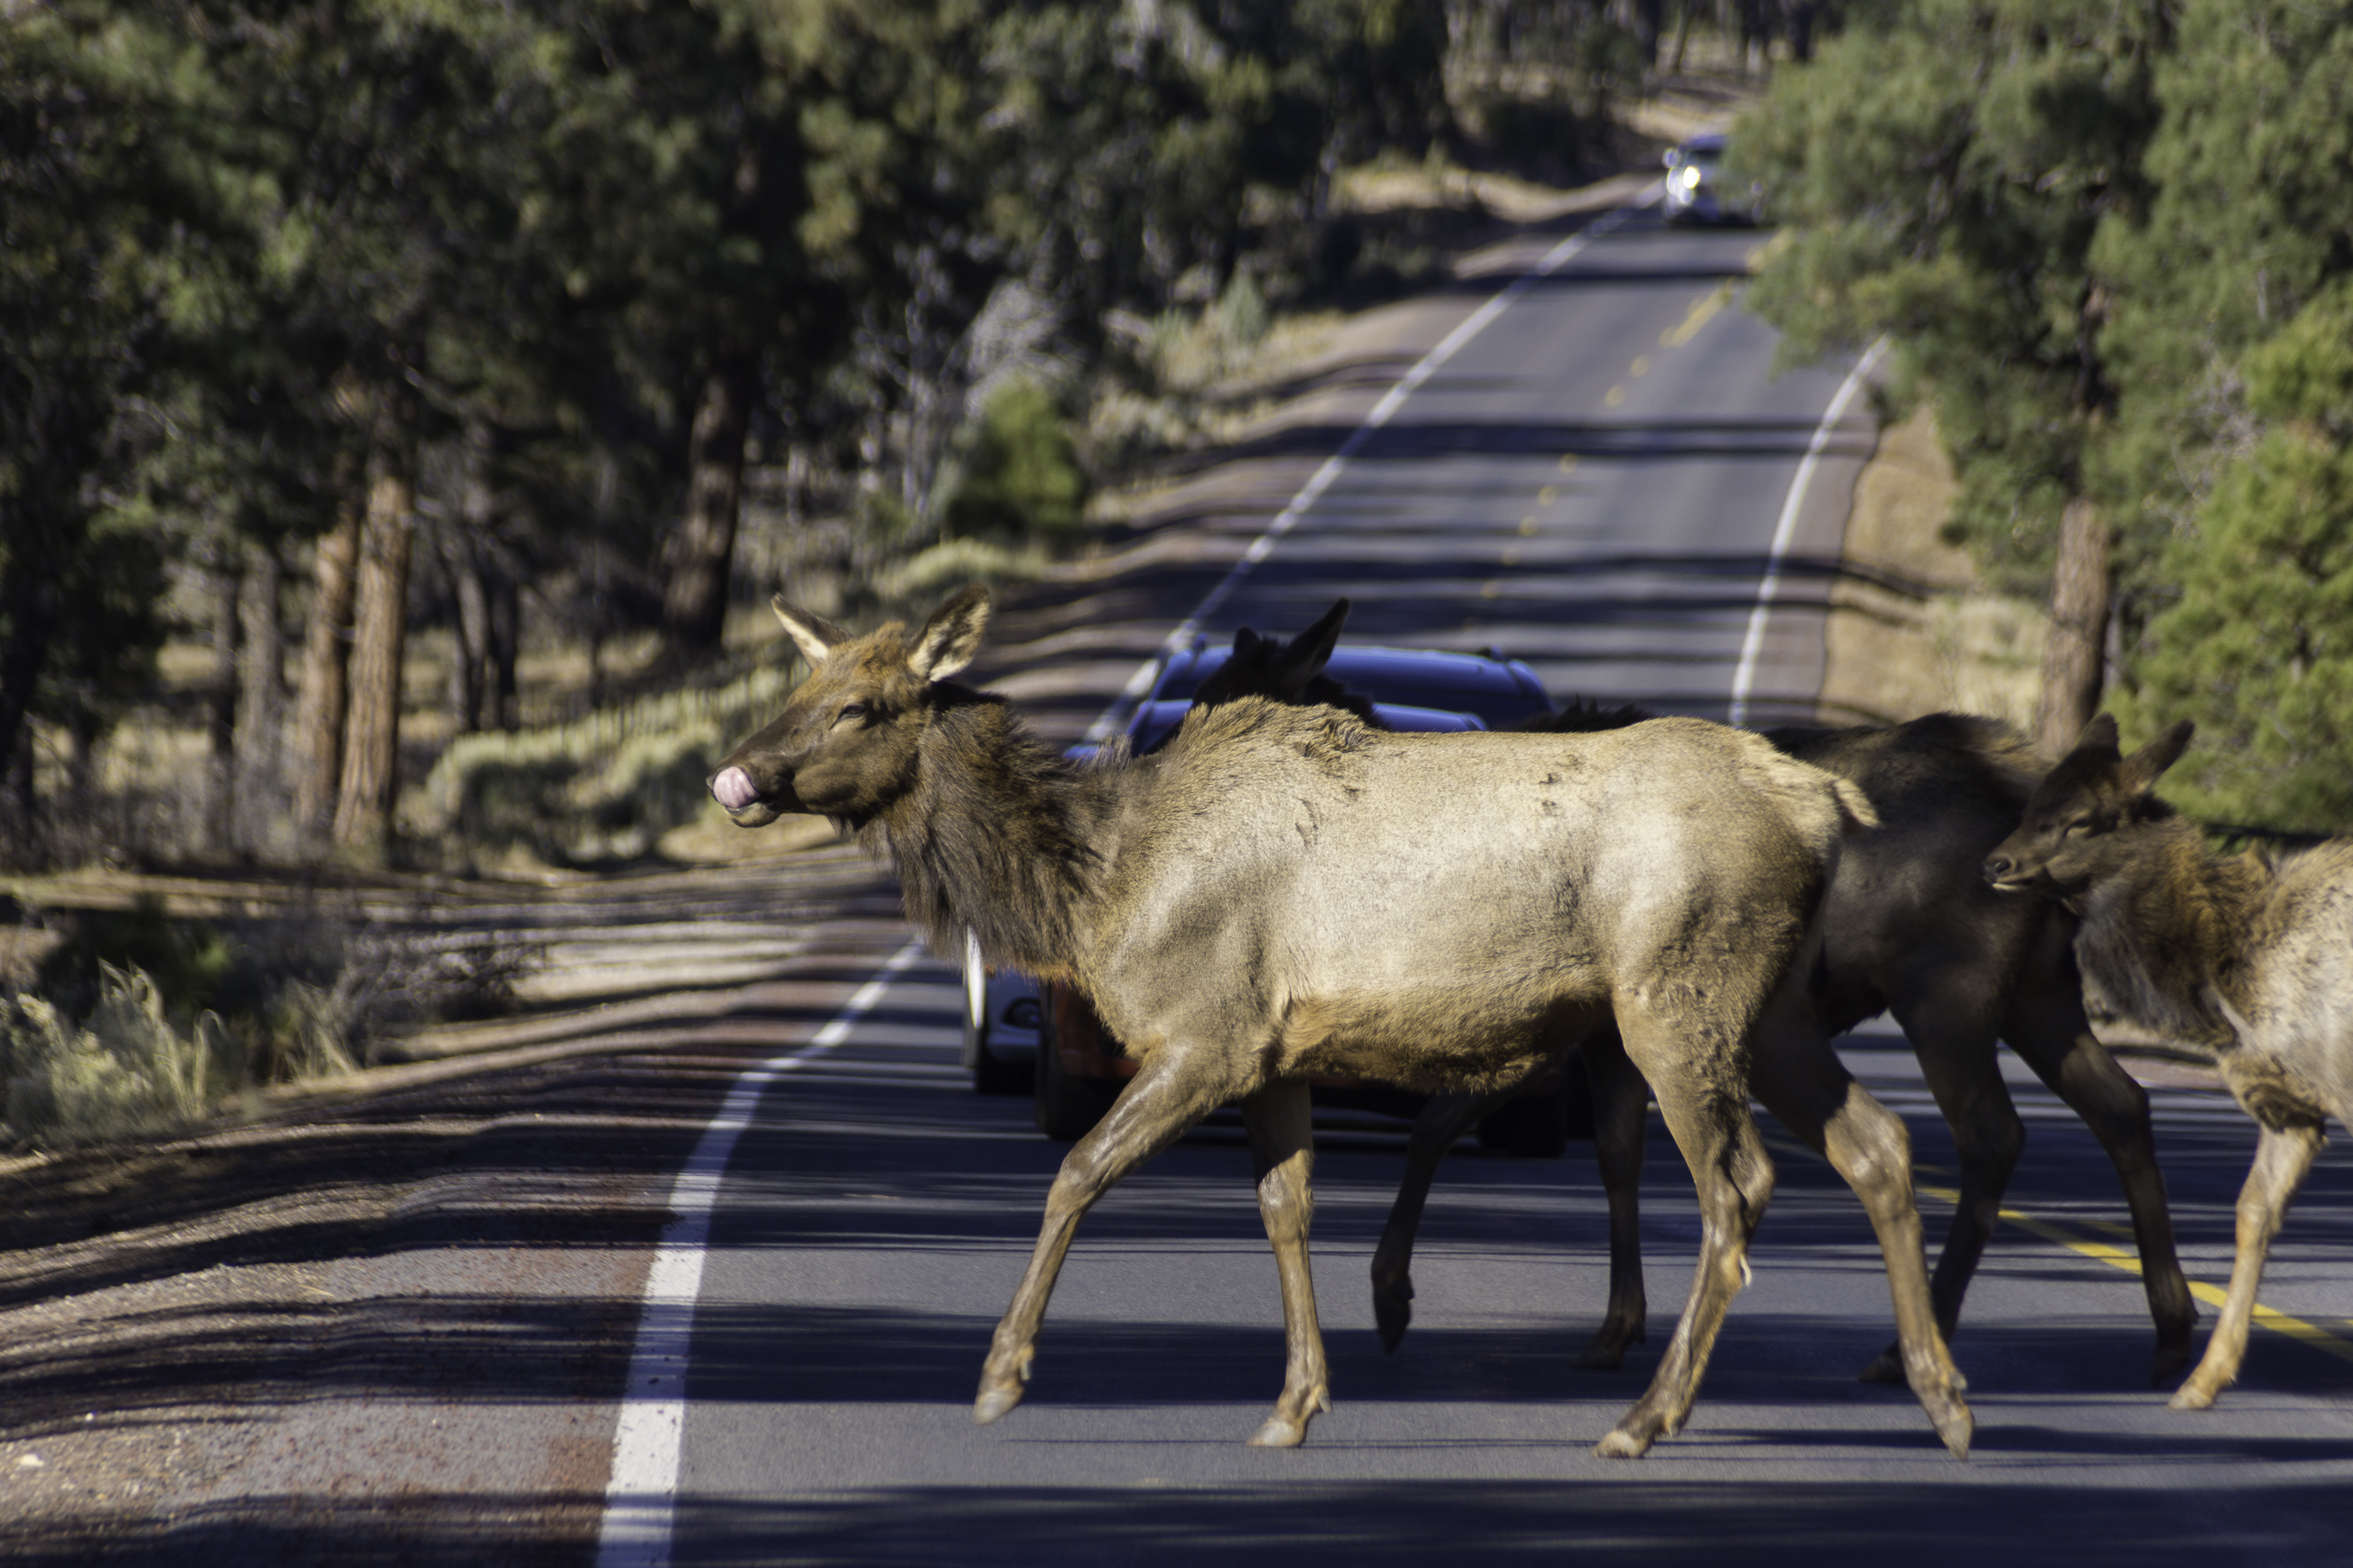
x=547, y=335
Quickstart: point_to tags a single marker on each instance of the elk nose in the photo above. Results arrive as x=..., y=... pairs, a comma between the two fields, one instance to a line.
x=734, y=789
x=1997, y=869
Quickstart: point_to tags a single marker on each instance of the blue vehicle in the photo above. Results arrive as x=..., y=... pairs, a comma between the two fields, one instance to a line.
x=1007, y=1015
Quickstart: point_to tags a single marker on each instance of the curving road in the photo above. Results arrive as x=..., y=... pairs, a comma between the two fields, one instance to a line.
x=1602, y=479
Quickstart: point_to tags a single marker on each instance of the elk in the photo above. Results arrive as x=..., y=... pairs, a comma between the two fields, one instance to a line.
x=1285, y=892
x=2242, y=956
x=1908, y=927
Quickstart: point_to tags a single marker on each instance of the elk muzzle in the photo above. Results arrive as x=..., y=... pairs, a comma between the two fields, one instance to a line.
x=2005, y=872
x=732, y=788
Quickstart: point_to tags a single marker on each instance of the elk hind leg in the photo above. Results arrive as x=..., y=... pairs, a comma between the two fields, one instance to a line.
x=1953, y=1034
x=1810, y=1091
x=1282, y=1154
x=1172, y=1091
x=2283, y=1155
x=1718, y=1137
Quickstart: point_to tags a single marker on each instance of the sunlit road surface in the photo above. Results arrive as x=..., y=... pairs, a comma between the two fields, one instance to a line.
x=878, y=1214
x=1596, y=482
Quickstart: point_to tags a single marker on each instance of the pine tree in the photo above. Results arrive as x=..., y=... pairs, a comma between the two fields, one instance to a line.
x=2259, y=647
x=1947, y=171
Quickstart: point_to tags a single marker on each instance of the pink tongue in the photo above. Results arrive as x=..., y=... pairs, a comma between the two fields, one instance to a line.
x=734, y=790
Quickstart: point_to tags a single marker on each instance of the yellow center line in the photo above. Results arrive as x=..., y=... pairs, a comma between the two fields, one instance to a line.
x=1763, y=255
x=2313, y=1334
x=1706, y=306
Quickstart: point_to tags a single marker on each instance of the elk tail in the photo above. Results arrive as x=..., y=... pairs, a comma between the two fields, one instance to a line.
x=1856, y=814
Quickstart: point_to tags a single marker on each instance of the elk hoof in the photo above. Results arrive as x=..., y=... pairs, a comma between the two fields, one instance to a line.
x=1604, y=1352
x=1393, y=1311
x=994, y=1403
x=1280, y=1432
x=1888, y=1368
x=1286, y=1430
x=2191, y=1398
x=1955, y=1426
x=2170, y=1360
x=1621, y=1444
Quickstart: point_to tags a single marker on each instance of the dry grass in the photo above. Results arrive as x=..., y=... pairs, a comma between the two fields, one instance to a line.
x=1912, y=629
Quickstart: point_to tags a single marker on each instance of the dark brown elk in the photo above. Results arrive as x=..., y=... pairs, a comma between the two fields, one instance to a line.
x=1283, y=892
x=2244, y=956
x=1910, y=929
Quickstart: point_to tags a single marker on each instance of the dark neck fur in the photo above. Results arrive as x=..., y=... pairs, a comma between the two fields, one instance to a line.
x=2172, y=929
x=1000, y=834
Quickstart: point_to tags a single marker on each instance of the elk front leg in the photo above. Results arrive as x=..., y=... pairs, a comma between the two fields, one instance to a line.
x=1802, y=1082
x=2051, y=1034
x=1443, y=1120
x=1282, y=1154
x=2283, y=1155
x=1621, y=1121
x=1171, y=1092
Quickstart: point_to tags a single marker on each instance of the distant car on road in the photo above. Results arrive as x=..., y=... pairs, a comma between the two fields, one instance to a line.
x=1696, y=190
x=1046, y=1040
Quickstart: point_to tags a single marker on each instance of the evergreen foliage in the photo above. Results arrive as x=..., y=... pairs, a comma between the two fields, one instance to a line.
x=1021, y=480
x=2258, y=649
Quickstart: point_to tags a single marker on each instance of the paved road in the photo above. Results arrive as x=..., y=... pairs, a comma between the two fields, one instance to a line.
x=1596, y=481
x=878, y=1214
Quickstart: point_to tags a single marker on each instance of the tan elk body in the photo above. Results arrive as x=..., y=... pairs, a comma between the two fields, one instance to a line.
x=1283, y=892
x=2250, y=957
x=1908, y=926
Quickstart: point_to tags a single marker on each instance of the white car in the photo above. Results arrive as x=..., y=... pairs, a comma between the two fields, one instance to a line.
x=1695, y=185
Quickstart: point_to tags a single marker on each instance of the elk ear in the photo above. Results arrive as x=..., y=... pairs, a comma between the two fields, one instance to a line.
x=1305, y=656
x=2141, y=771
x=2099, y=737
x=815, y=636
x=952, y=636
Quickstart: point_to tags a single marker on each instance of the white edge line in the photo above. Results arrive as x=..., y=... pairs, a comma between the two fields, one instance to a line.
x=1330, y=469
x=641, y=1497
x=1752, y=647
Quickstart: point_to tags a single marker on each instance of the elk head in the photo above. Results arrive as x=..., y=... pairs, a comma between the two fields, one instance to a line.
x=2071, y=831
x=845, y=744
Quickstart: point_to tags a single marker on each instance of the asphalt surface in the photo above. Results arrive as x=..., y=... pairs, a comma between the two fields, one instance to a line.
x=1595, y=482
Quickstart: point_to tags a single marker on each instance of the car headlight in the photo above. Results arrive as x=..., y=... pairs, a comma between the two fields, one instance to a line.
x=1687, y=177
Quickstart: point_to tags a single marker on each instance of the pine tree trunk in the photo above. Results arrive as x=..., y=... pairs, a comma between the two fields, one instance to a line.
x=24, y=655
x=695, y=607
x=318, y=740
x=220, y=768
x=261, y=697
x=379, y=637
x=2073, y=658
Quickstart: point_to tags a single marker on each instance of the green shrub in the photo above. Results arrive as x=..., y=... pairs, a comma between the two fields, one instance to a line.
x=1021, y=479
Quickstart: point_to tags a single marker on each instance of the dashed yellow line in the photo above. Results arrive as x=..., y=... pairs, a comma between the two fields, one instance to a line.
x=2311, y=1335
x=1700, y=315
x=1762, y=256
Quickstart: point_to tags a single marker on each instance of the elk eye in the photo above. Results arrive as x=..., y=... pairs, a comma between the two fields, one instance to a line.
x=2078, y=829
x=853, y=711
